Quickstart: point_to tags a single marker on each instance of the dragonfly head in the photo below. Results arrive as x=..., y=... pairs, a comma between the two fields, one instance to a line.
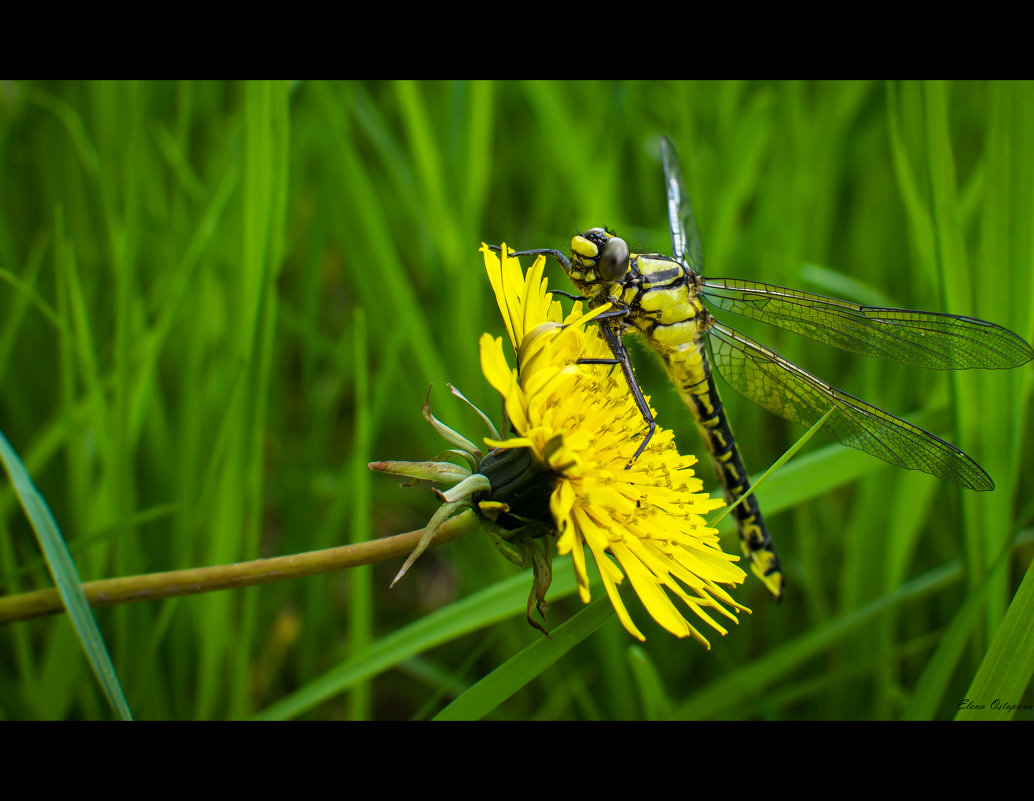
x=598, y=259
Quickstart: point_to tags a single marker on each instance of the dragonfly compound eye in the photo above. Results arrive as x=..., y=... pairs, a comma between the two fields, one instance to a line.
x=613, y=261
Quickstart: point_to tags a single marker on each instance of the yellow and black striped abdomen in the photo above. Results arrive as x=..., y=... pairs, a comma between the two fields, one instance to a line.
x=661, y=297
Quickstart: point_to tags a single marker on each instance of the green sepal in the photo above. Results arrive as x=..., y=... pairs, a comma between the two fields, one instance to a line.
x=481, y=414
x=443, y=472
x=446, y=433
x=467, y=487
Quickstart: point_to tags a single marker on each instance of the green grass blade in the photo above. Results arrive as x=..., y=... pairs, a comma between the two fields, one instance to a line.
x=648, y=680
x=786, y=457
x=94, y=537
x=751, y=680
x=815, y=474
x=361, y=602
x=1007, y=667
x=517, y=671
x=66, y=578
x=495, y=603
x=908, y=185
x=73, y=123
x=939, y=668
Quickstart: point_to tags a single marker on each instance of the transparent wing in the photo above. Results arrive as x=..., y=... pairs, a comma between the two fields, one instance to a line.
x=783, y=388
x=921, y=339
x=685, y=237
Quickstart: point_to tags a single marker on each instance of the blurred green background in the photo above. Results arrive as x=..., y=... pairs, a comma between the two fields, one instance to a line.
x=221, y=300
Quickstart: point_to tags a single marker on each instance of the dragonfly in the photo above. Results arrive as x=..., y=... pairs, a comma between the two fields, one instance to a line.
x=672, y=305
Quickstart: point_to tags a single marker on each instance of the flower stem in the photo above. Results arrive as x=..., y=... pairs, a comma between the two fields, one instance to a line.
x=153, y=586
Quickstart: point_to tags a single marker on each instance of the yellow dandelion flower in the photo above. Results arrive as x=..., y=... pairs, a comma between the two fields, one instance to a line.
x=580, y=423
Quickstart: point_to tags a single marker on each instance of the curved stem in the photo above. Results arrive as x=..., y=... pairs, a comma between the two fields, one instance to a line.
x=153, y=586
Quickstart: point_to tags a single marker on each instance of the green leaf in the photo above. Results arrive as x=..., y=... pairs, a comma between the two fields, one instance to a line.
x=1007, y=666
x=66, y=578
x=517, y=671
x=490, y=605
x=939, y=668
x=656, y=705
x=755, y=677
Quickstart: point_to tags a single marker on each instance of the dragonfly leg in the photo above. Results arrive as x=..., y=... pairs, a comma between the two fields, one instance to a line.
x=622, y=358
x=597, y=318
x=560, y=257
x=619, y=312
x=556, y=254
x=567, y=294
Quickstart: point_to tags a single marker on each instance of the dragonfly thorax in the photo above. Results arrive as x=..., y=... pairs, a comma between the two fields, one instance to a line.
x=598, y=260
